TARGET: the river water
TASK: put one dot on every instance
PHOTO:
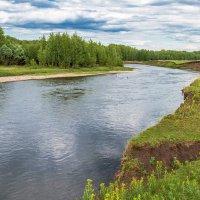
(56, 133)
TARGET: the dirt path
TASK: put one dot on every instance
(69, 75)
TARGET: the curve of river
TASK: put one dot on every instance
(56, 133)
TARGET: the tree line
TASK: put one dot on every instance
(63, 50)
(132, 54)
(58, 50)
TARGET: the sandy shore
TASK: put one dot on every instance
(69, 75)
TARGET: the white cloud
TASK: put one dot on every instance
(164, 24)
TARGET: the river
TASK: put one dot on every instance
(56, 133)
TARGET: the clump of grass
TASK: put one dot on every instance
(180, 184)
(152, 161)
(89, 191)
(131, 164)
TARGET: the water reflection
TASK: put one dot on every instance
(62, 94)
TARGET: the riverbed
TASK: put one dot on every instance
(56, 133)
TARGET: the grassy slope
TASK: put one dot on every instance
(22, 70)
(178, 62)
(175, 64)
(181, 184)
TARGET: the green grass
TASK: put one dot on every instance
(181, 184)
(174, 64)
(23, 70)
(182, 126)
(178, 61)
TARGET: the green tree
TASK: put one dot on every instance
(19, 56)
(31, 49)
(66, 50)
(76, 51)
(101, 55)
(42, 55)
(2, 37)
(5, 54)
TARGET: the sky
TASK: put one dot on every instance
(144, 24)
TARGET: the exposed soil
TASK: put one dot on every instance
(165, 152)
(193, 65)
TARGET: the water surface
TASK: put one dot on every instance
(56, 133)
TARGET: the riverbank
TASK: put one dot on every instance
(15, 73)
(176, 135)
(174, 64)
(163, 161)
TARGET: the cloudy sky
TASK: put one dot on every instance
(150, 24)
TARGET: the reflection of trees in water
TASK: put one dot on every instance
(55, 82)
(64, 89)
(66, 94)
(5, 90)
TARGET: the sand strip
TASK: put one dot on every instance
(69, 75)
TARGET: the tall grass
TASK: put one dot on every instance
(180, 184)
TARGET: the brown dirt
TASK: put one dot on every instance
(193, 65)
(165, 152)
(133, 62)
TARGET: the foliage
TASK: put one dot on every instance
(10, 51)
(63, 50)
(58, 50)
(89, 191)
(133, 54)
(2, 37)
(182, 183)
(5, 54)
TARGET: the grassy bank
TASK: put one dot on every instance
(174, 64)
(23, 70)
(163, 161)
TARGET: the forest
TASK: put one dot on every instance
(63, 50)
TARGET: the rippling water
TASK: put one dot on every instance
(56, 133)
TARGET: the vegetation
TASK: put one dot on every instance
(181, 126)
(59, 50)
(133, 54)
(179, 62)
(24, 70)
(63, 50)
(174, 64)
(182, 183)
(150, 167)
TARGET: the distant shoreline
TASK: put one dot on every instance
(41, 77)
(174, 64)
